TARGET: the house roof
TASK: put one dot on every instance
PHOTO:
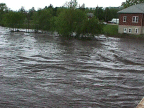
(139, 8)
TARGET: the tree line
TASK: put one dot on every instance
(64, 20)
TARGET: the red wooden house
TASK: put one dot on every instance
(131, 19)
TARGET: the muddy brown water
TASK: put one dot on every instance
(43, 71)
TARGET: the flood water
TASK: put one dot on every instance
(44, 71)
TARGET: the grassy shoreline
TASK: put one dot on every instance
(112, 31)
(108, 31)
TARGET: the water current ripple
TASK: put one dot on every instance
(39, 70)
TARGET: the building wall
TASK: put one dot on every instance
(133, 29)
(129, 19)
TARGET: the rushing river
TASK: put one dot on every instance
(44, 71)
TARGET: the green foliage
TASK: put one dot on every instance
(22, 10)
(131, 2)
(77, 21)
(3, 10)
(90, 27)
(31, 13)
(58, 10)
(68, 21)
(110, 13)
(99, 13)
(71, 4)
(65, 20)
(13, 19)
(52, 24)
(93, 26)
(89, 10)
(43, 18)
(106, 14)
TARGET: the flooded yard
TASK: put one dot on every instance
(40, 70)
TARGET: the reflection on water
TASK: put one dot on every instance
(38, 70)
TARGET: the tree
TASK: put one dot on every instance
(68, 21)
(107, 14)
(3, 7)
(89, 10)
(76, 20)
(31, 12)
(131, 2)
(22, 10)
(55, 11)
(99, 13)
(13, 19)
(110, 13)
(71, 4)
(43, 18)
(59, 10)
(90, 27)
(50, 6)
(3, 10)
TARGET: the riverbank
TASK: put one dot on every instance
(108, 31)
(112, 31)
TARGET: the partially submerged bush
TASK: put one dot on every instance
(76, 21)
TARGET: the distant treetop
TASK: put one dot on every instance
(129, 3)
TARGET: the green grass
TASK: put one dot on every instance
(110, 29)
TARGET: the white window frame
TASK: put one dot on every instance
(125, 30)
(129, 30)
(124, 18)
(135, 19)
(136, 30)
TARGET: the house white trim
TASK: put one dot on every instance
(129, 30)
(125, 30)
(135, 19)
(136, 30)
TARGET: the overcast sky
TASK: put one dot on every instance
(28, 4)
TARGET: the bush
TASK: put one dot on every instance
(68, 21)
(75, 20)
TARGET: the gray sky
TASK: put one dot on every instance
(28, 4)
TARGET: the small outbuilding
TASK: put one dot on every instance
(90, 15)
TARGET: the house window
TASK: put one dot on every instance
(124, 18)
(136, 30)
(135, 19)
(129, 30)
(125, 30)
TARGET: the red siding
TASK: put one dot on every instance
(143, 20)
(129, 19)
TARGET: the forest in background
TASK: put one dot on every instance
(65, 20)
